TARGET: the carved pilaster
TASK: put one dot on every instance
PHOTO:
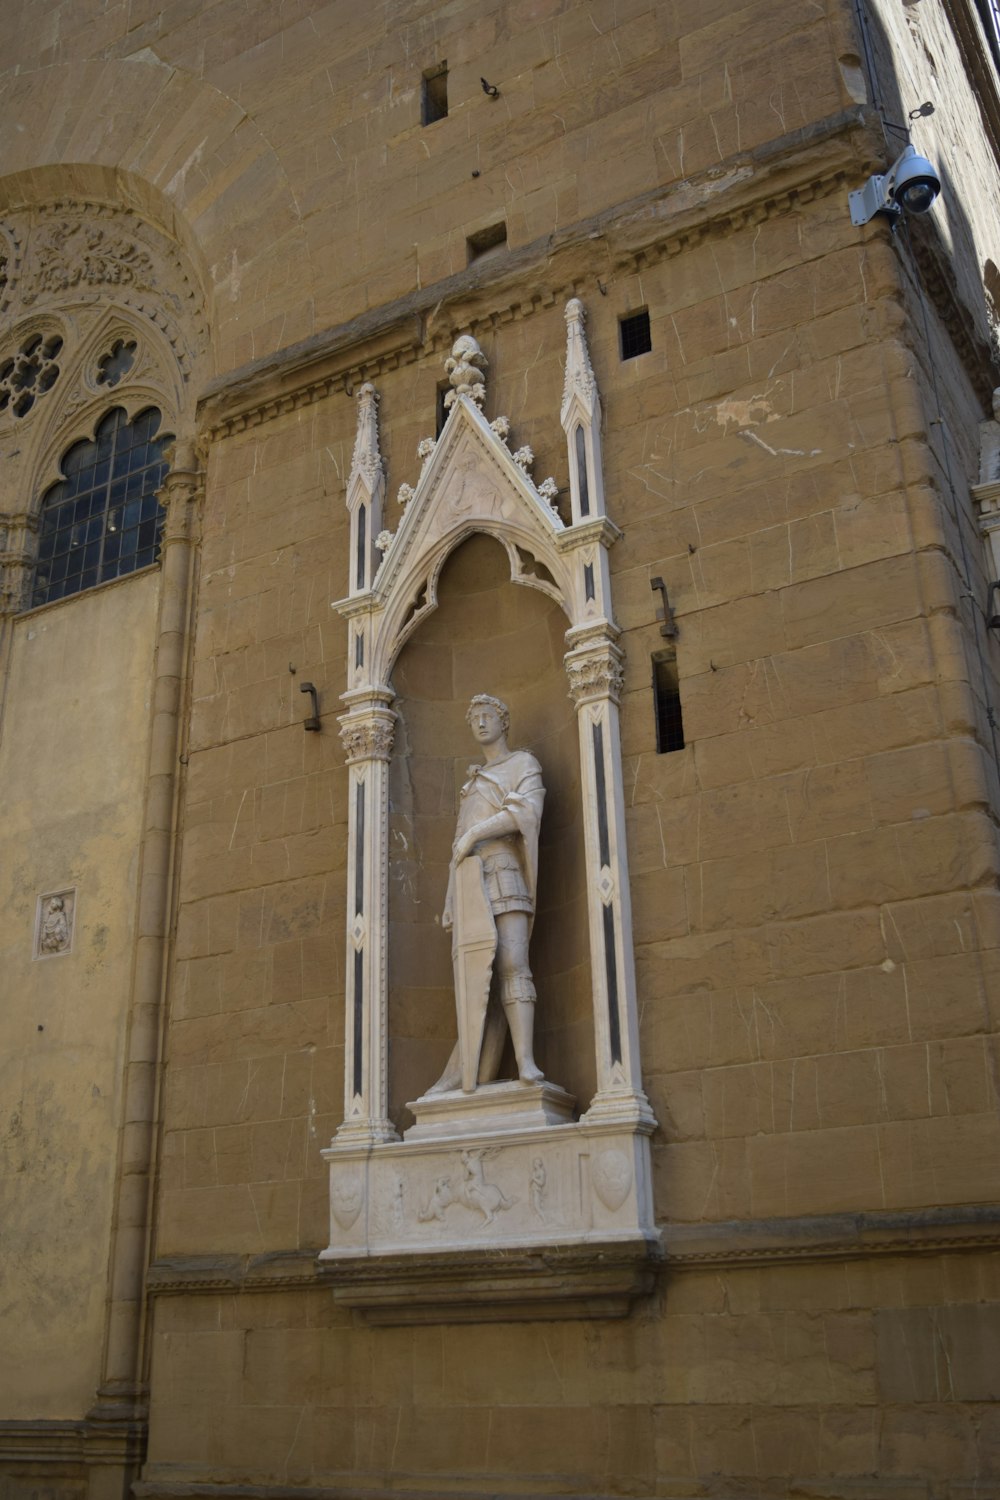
(365, 493)
(367, 732)
(595, 670)
(581, 420)
(18, 549)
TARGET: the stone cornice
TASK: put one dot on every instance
(832, 1237)
(745, 189)
(938, 281)
(42, 1441)
(229, 1273)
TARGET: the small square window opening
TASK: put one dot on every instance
(486, 241)
(434, 94)
(634, 335)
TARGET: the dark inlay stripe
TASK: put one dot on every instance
(359, 852)
(588, 580)
(362, 542)
(611, 966)
(602, 796)
(359, 650)
(359, 970)
(581, 469)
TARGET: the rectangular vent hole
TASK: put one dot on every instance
(487, 241)
(434, 94)
(667, 703)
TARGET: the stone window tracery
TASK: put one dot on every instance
(29, 373)
(118, 361)
(102, 519)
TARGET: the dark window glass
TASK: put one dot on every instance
(667, 705)
(635, 335)
(102, 519)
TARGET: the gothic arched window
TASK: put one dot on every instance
(102, 518)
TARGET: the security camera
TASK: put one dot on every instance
(910, 186)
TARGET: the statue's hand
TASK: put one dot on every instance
(463, 847)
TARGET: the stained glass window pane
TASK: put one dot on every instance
(102, 519)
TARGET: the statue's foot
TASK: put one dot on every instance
(446, 1084)
(532, 1073)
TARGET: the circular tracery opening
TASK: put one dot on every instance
(120, 358)
(29, 374)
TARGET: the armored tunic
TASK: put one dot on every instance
(512, 784)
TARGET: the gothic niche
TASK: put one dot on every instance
(449, 1156)
(487, 634)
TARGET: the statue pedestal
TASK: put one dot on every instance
(460, 1220)
(489, 1109)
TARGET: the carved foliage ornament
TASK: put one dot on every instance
(368, 738)
(67, 255)
(599, 674)
(87, 252)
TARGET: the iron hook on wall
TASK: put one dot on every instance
(668, 628)
(313, 721)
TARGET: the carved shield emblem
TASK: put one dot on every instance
(346, 1197)
(612, 1178)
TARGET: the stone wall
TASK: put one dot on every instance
(814, 876)
(74, 750)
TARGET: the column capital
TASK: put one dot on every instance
(181, 492)
(595, 670)
(368, 734)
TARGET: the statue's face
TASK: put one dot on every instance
(485, 724)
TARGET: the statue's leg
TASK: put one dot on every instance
(494, 1037)
(517, 990)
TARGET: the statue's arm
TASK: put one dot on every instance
(493, 827)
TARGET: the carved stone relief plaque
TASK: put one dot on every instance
(54, 920)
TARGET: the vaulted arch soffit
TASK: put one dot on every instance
(102, 308)
(181, 156)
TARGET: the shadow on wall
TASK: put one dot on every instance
(487, 635)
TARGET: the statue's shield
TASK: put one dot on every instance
(475, 944)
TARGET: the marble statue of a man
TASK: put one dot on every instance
(490, 903)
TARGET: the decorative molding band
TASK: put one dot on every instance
(688, 1247)
(41, 1441)
(938, 278)
(280, 1269)
(748, 188)
(832, 1237)
(355, 1487)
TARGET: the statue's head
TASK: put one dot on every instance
(500, 708)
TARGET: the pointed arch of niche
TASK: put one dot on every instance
(104, 312)
(571, 1182)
